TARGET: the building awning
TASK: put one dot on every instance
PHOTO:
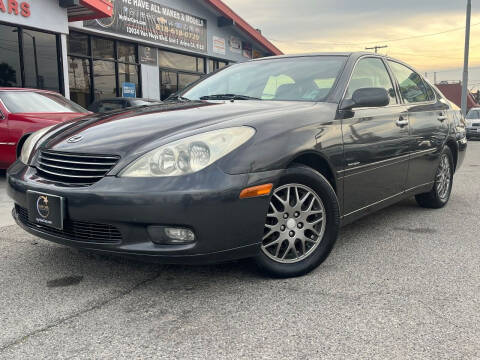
(87, 9)
(228, 13)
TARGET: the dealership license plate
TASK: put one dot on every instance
(45, 209)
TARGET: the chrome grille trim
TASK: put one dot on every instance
(71, 168)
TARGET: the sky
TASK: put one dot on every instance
(298, 26)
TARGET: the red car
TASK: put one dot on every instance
(24, 111)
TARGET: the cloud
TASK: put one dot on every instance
(349, 25)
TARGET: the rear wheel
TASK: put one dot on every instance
(440, 194)
(301, 224)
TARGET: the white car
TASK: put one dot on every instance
(473, 123)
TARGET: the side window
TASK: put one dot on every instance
(371, 72)
(430, 92)
(412, 87)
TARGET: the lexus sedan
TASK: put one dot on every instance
(24, 111)
(264, 159)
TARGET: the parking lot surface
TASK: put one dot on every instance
(403, 282)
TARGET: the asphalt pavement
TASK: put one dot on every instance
(401, 283)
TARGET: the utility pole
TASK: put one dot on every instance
(435, 78)
(376, 47)
(465, 61)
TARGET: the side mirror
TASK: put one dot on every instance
(366, 97)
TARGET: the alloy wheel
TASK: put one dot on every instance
(295, 224)
(443, 178)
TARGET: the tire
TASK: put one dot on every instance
(440, 194)
(305, 237)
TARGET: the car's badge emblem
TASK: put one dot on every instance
(75, 139)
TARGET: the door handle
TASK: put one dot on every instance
(401, 122)
(442, 118)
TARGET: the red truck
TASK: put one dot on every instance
(24, 111)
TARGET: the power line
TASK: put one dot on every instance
(378, 41)
(421, 36)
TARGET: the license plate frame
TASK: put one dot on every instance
(46, 209)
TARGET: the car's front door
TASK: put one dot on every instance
(427, 116)
(7, 145)
(376, 142)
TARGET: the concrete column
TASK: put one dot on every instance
(63, 40)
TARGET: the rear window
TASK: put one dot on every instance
(38, 102)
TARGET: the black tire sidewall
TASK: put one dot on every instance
(304, 175)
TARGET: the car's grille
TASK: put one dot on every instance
(74, 168)
(478, 124)
(76, 230)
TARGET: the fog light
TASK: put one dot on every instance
(179, 235)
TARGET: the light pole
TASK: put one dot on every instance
(465, 60)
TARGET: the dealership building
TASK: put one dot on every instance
(96, 49)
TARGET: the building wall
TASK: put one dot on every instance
(44, 15)
(197, 8)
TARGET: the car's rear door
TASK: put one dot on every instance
(428, 119)
(376, 142)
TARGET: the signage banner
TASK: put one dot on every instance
(148, 20)
(129, 90)
(36, 14)
(219, 45)
(148, 55)
(235, 45)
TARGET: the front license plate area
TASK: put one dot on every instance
(45, 209)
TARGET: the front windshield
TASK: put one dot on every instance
(473, 114)
(38, 102)
(307, 78)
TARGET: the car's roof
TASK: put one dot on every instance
(348, 54)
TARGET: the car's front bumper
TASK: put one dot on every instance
(225, 226)
(473, 132)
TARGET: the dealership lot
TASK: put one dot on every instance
(402, 282)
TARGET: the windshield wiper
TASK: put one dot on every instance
(177, 97)
(228, 97)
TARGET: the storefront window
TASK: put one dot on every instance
(109, 70)
(167, 59)
(10, 73)
(186, 79)
(40, 60)
(214, 65)
(78, 44)
(79, 79)
(104, 79)
(128, 73)
(126, 52)
(168, 83)
(103, 48)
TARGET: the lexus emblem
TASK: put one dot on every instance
(75, 139)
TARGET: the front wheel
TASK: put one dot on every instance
(440, 194)
(301, 224)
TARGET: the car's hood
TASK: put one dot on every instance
(42, 117)
(118, 133)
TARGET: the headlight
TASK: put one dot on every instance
(189, 155)
(30, 143)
